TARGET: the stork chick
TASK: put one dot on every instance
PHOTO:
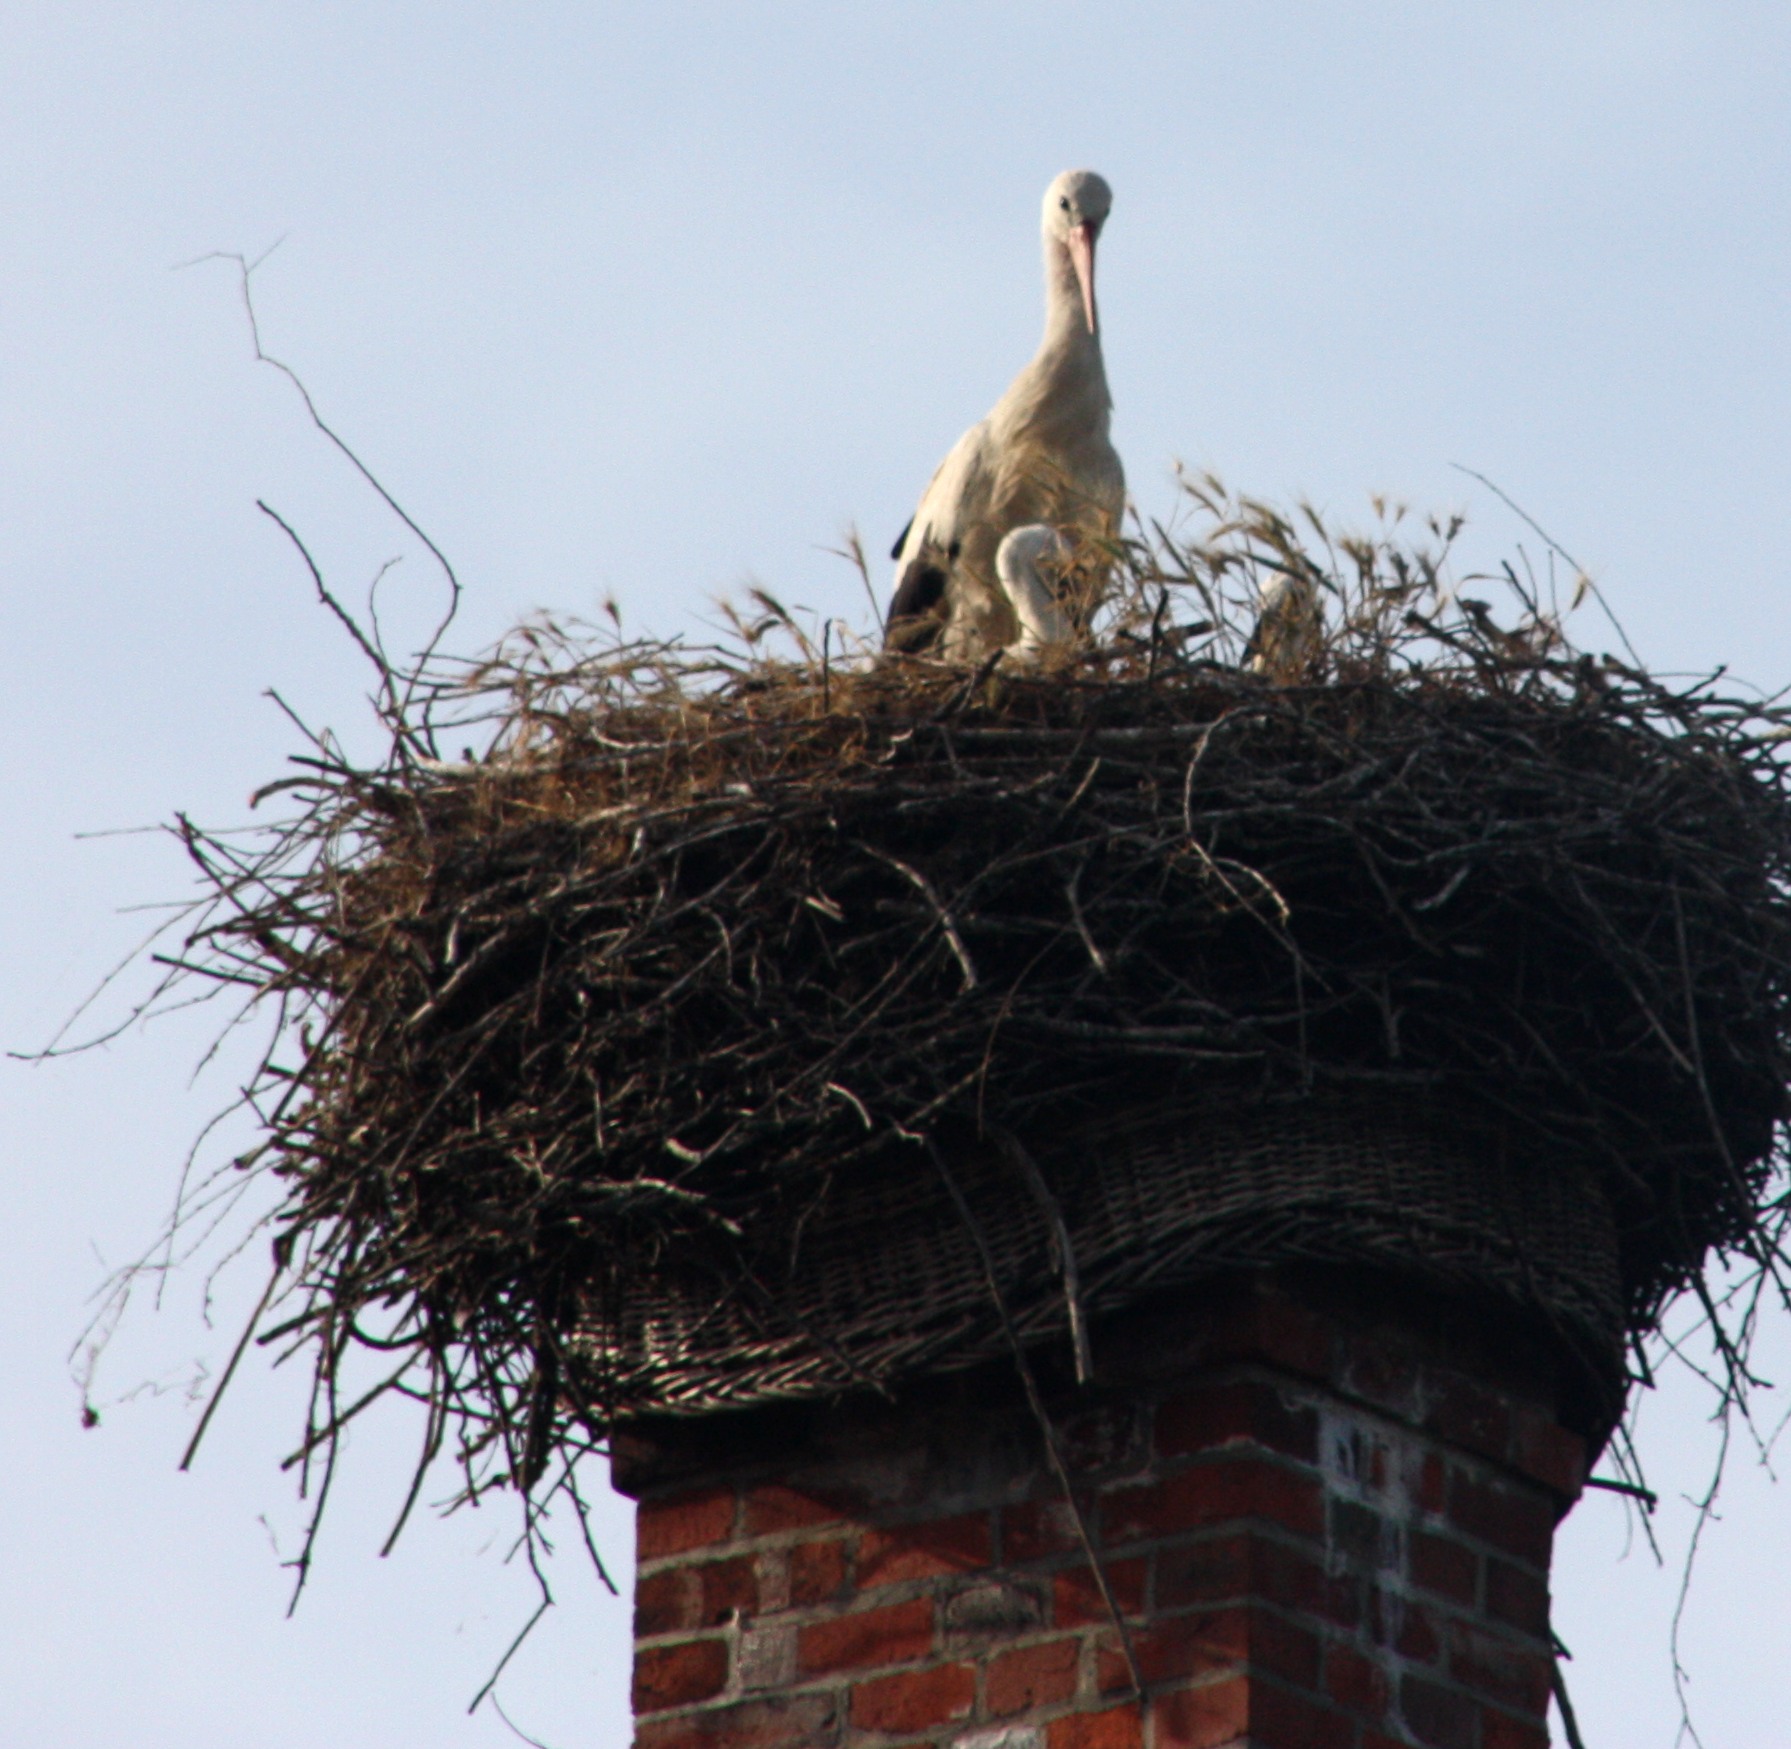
(1290, 630)
(1043, 623)
(1043, 455)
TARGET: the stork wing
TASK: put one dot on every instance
(926, 555)
(956, 496)
(917, 612)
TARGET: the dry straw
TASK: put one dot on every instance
(693, 941)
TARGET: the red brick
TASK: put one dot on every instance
(683, 1522)
(1034, 1529)
(1468, 1416)
(1514, 1522)
(817, 1571)
(1208, 1571)
(899, 1634)
(754, 1724)
(1499, 1731)
(1117, 1728)
(1213, 1493)
(1281, 1720)
(1381, 1374)
(1283, 1649)
(1077, 1601)
(992, 1609)
(1280, 1330)
(1242, 1411)
(1433, 1482)
(772, 1507)
(1437, 1716)
(1103, 1438)
(1215, 1714)
(1518, 1597)
(1225, 1582)
(729, 1588)
(667, 1602)
(924, 1551)
(1250, 1565)
(668, 1676)
(1183, 1646)
(1547, 1451)
(1377, 1471)
(1287, 1577)
(1233, 1640)
(915, 1700)
(1418, 1638)
(1514, 1673)
(1442, 1565)
(1034, 1676)
(1356, 1682)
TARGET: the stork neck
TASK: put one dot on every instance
(1066, 384)
(1066, 328)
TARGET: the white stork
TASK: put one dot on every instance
(1041, 456)
(1289, 635)
(1043, 623)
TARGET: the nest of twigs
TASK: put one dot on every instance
(693, 942)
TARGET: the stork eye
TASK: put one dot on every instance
(1063, 200)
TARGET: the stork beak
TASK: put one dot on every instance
(1082, 246)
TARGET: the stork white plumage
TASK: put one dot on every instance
(1043, 455)
(1043, 623)
(1290, 630)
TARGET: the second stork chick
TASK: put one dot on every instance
(1043, 623)
(1289, 636)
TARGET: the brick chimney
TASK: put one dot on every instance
(1323, 1507)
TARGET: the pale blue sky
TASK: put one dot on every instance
(656, 299)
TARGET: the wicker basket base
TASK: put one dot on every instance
(889, 1282)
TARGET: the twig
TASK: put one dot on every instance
(1053, 1450)
(946, 922)
(1554, 545)
(246, 269)
(1705, 1508)
(1557, 1680)
(236, 1354)
(1634, 1490)
(1062, 1245)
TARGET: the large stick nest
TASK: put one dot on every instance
(694, 942)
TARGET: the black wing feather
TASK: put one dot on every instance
(915, 616)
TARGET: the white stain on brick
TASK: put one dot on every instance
(1370, 1459)
(772, 1571)
(1008, 1737)
(766, 1658)
(1372, 1466)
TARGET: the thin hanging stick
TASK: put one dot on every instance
(1053, 1450)
(236, 1354)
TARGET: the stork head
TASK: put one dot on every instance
(1043, 624)
(1076, 207)
(1028, 547)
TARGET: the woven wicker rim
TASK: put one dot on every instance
(1152, 1200)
